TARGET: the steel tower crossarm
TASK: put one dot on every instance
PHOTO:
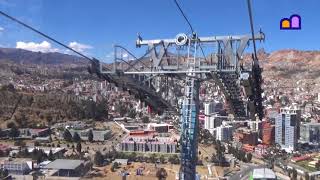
(209, 39)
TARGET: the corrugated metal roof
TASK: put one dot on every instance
(64, 164)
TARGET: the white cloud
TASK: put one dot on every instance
(79, 47)
(1, 29)
(125, 55)
(44, 46)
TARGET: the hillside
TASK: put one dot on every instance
(31, 109)
(28, 57)
(293, 64)
(56, 72)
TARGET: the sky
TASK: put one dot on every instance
(94, 26)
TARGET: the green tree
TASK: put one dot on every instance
(14, 132)
(50, 156)
(38, 155)
(145, 119)
(318, 165)
(132, 156)
(174, 159)
(36, 143)
(3, 173)
(101, 110)
(20, 143)
(132, 113)
(114, 166)
(153, 158)
(67, 135)
(294, 174)
(76, 137)
(98, 158)
(122, 109)
(249, 157)
(162, 158)
(79, 147)
(161, 174)
(90, 136)
(242, 155)
(306, 176)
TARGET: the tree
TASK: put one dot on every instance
(36, 143)
(162, 158)
(38, 155)
(98, 158)
(162, 174)
(249, 157)
(79, 147)
(174, 159)
(294, 174)
(10, 124)
(14, 132)
(114, 166)
(318, 165)
(3, 173)
(67, 135)
(145, 119)
(51, 157)
(90, 136)
(122, 109)
(76, 137)
(132, 156)
(242, 155)
(101, 110)
(132, 113)
(306, 176)
(20, 143)
(153, 158)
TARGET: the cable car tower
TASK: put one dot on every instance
(183, 58)
(194, 69)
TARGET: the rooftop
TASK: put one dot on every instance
(263, 173)
(64, 164)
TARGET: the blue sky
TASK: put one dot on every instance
(93, 26)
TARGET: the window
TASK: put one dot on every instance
(283, 128)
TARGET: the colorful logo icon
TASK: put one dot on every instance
(292, 23)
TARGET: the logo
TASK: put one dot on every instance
(292, 23)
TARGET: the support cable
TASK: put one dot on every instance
(252, 30)
(184, 16)
(46, 36)
(191, 28)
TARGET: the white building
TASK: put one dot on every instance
(209, 108)
(211, 120)
(287, 130)
(224, 133)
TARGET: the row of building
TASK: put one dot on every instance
(286, 130)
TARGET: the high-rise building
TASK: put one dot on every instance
(310, 133)
(224, 133)
(208, 121)
(209, 108)
(287, 130)
(211, 120)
